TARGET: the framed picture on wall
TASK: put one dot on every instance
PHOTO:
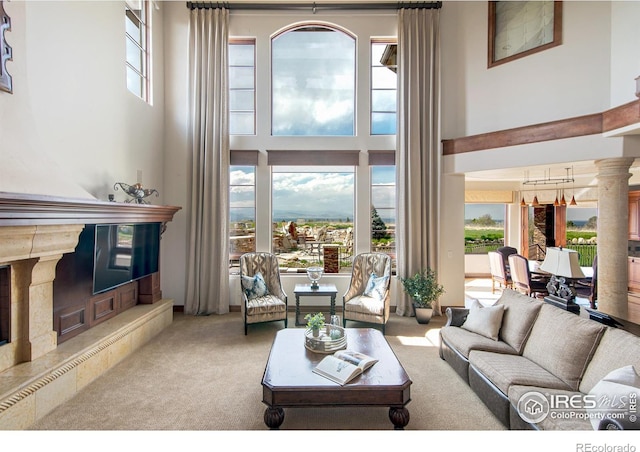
(518, 29)
(5, 51)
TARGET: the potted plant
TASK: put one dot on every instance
(423, 288)
(315, 322)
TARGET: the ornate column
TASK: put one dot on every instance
(32, 252)
(42, 338)
(613, 235)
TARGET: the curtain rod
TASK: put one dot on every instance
(313, 7)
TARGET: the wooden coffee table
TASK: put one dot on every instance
(289, 381)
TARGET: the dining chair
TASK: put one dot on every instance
(368, 298)
(522, 280)
(498, 271)
(505, 252)
(263, 298)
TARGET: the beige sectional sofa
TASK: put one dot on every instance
(539, 367)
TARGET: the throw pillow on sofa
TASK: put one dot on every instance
(254, 286)
(616, 396)
(520, 314)
(485, 321)
(376, 287)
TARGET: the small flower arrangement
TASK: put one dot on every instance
(315, 321)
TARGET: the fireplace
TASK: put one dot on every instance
(35, 233)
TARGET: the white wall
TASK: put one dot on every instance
(451, 246)
(625, 58)
(71, 128)
(176, 155)
(569, 80)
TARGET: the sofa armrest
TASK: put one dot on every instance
(456, 316)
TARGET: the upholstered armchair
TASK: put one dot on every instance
(263, 298)
(368, 298)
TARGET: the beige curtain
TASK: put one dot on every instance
(418, 155)
(208, 255)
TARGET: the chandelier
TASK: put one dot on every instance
(559, 183)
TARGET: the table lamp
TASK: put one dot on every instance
(564, 267)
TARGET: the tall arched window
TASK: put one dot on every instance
(322, 149)
(313, 82)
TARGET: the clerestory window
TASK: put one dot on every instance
(138, 49)
(242, 87)
(384, 87)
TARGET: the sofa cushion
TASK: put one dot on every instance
(464, 341)
(617, 348)
(485, 321)
(563, 343)
(264, 306)
(365, 305)
(519, 316)
(507, 370)
(576, 418)
(614, 395)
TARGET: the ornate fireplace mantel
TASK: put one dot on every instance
(35, 231)
(20, 210)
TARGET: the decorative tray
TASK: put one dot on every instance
(331, 339)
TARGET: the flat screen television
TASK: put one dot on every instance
(124, 253)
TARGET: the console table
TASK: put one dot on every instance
(323, 290)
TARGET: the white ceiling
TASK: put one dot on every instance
(584, 173)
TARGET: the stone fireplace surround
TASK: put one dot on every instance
(35, 373)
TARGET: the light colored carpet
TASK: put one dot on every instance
(204, 374)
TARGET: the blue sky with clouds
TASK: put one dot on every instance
(313, 84)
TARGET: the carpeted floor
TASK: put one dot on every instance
(204, 374)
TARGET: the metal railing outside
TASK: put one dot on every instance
(482, 247)
(586, 252)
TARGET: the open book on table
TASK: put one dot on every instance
(344, 365)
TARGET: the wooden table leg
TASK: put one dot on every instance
(274, 417)
(399, 417)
